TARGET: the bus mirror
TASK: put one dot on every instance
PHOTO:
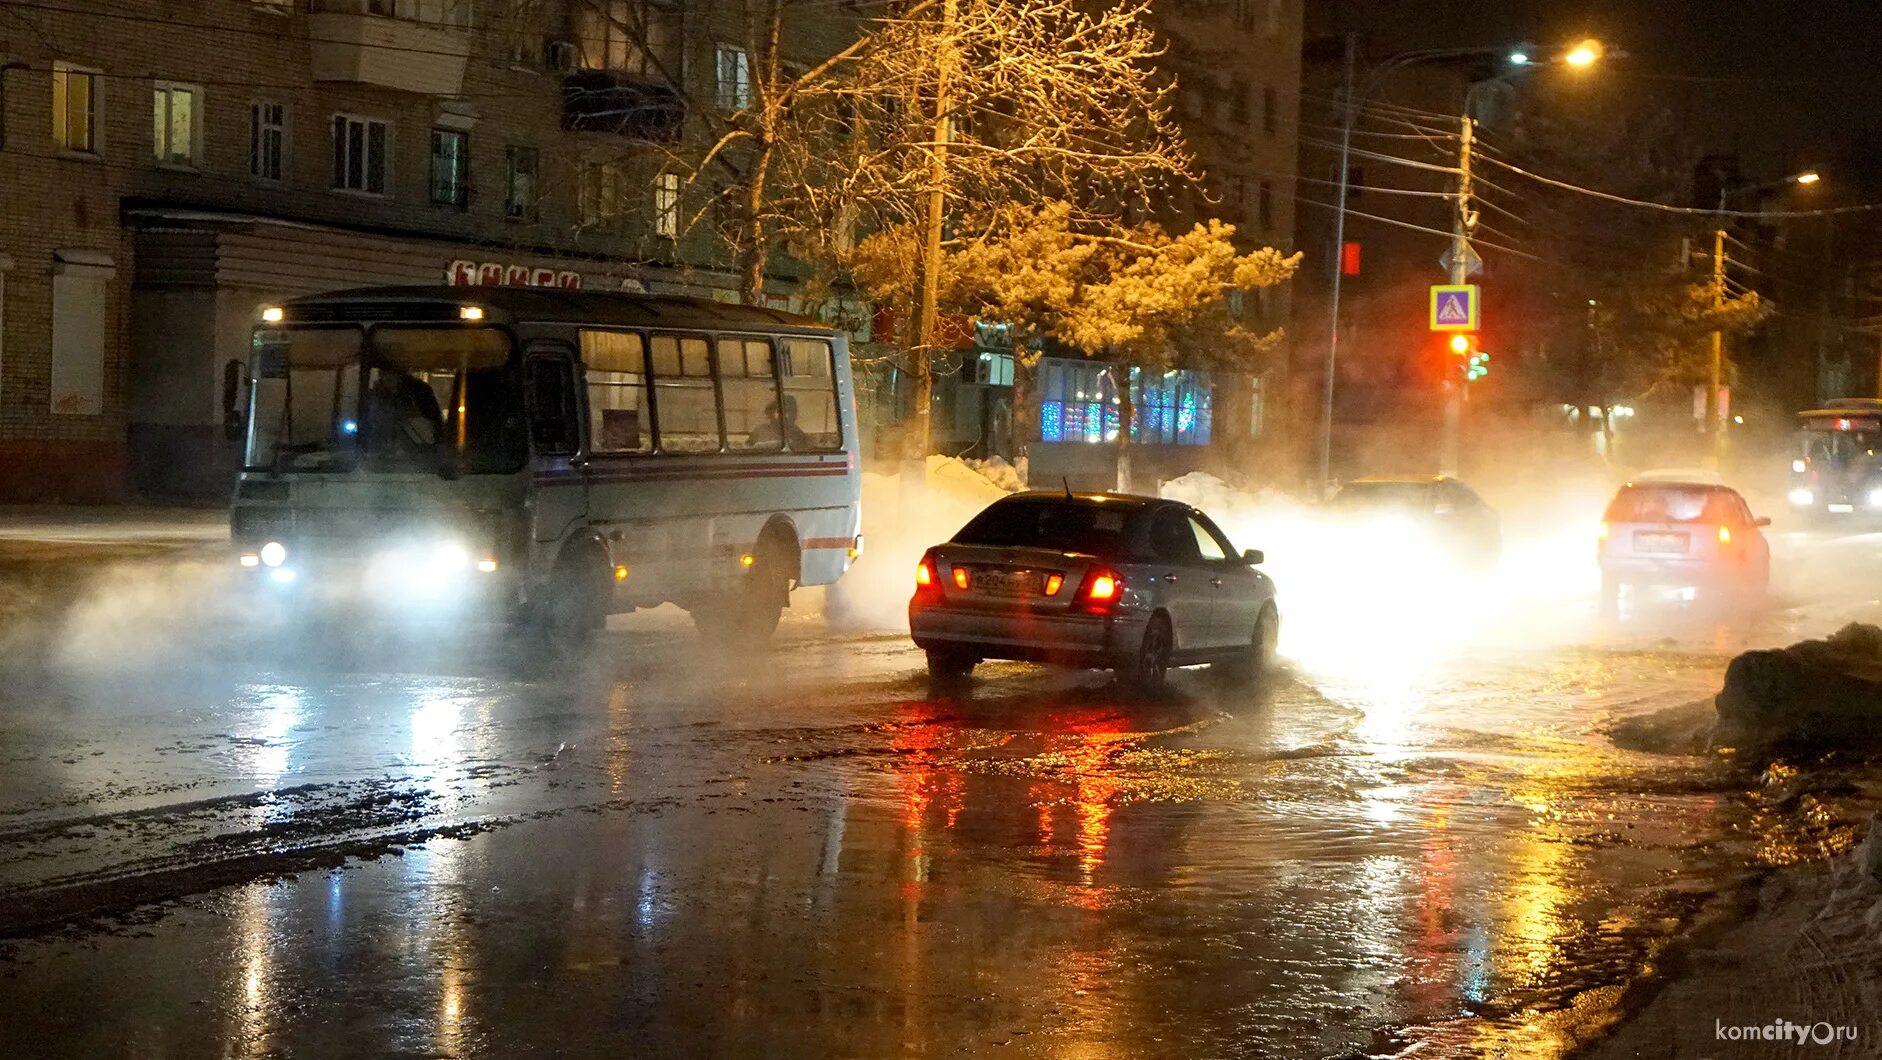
(233, 425)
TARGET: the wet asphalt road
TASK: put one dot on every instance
(671, 851)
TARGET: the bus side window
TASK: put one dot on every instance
(810, 385)
(615, 364)
(683, 394)
(748, 383)
(551, 390)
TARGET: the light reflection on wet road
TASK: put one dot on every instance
(811, 853)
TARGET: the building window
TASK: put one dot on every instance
(1274, 18)
(1270, 107)
(176, 125)
(359, 154)
(734, 78)
(450, 168)
(666, 205)
(1264, 207)
(629, 36)
(1078, 402)
(455, 13)
(80, 279)
(75, 108)
(602, 192)
(1257, 410)
(1245, 13)
(1172, 408)
(519, 185)
(267, 139)
(1239, 92)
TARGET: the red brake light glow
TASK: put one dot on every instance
(960, 578)
(1725, 535)
(924, 575)
(1102, 586)
(1053, 582)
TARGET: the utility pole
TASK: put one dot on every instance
(1715, 433)
(928, 266)
(1450, 446)
(1349, 105)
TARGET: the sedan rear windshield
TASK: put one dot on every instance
(1059, 525)
(1674, 504)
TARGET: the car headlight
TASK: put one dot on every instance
(274, 553)
(1875, 497)
(450, 557)
(1803, 498)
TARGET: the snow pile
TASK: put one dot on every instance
(901, 520)
(1818, 693)
(1010, 477)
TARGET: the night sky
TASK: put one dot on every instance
(1783, 85)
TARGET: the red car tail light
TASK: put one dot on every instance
(960, 578)
(927, 582)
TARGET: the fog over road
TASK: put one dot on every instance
(406, 846)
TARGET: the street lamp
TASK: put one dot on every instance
(1584, 54)
(1715, 372)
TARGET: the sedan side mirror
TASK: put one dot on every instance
(1254, 557)
(1762, 520)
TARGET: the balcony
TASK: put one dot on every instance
(402, 45)
(622, 104)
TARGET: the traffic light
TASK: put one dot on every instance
(1471, 361)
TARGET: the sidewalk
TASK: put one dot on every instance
(44, 532)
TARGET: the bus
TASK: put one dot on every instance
(545, 456)
(1834, 467)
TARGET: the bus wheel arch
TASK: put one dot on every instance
(778, 546)
(572, 600)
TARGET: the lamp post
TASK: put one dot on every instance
(1715, 373)
(1584, 54)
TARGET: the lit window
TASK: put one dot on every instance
(359, 154)
(519, 190)
(666, 205)
(734, 78)
(176, 126)
(450, 168)
(75, 108)
(1172, 408)
(267, 139)
(629, 36)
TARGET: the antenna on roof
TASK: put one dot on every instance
(1068, 486)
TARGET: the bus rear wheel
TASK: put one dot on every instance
(748, 614)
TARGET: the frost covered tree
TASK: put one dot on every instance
(1136, 293)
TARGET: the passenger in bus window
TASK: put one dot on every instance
(779, 426)
(403, 413)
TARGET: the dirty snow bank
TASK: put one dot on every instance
(1797, 954)
(900, 521)
(1816, 693)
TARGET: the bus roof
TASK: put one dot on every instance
(547, 304)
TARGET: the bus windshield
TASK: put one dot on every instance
(395, 399)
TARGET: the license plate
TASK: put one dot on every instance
(1842, 509)
(1005, 582)
(1650, 542)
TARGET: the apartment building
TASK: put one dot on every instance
(167, 167)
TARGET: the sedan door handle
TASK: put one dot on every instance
(1217, 582)
(1169, 577)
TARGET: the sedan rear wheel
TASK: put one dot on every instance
(946, 664)
(1151, 664)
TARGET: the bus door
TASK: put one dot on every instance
(555, 435)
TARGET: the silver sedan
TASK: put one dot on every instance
(1093, 580)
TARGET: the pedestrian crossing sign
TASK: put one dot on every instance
(1455, 307)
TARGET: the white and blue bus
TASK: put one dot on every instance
(546, 455)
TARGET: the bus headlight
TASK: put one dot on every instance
(1803, 498)
(450, 558)
(274, 553)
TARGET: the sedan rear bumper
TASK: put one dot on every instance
(1072, 639)
(1678, 571)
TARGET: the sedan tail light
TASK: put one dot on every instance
(1101, 589)
(927, 582)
